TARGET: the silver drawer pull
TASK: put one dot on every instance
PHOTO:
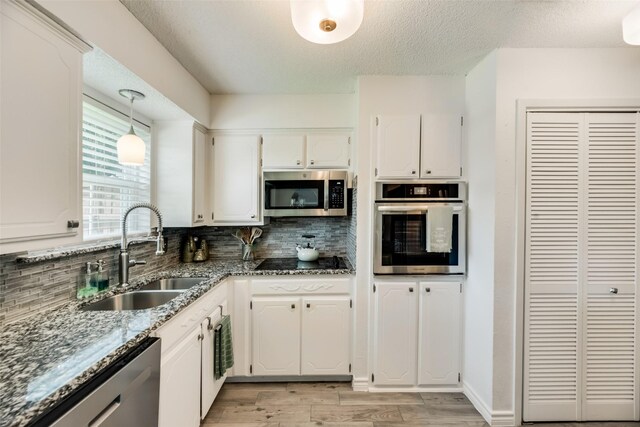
(613, 290)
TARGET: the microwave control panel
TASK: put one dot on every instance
(336, 194)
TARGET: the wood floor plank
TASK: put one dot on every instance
(215, 424)
(433, 423)
(326, 386)
(365, 398)
(270, 414)
(297, 397)
(352, 413)
(328, 424)
(441, 412)
(236, 396)
(446, 398)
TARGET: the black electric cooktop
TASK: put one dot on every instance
(328, 263)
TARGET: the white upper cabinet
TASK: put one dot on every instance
(328, 151)
(440, 146)
(235, 174)
(283, 151)
(398, 146)
(414, 146)
(41, 116)
(181, 177)
(313, 151)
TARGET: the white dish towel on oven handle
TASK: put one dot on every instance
(439, 229)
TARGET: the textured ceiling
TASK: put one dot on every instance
(250, 46)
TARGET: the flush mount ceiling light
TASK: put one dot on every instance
(130, 146)
(631, 27)
(326, 21)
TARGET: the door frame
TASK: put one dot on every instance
(524, 106)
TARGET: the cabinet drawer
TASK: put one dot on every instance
(301, 286)
(183, 323)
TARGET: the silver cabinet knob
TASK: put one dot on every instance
(427, 290)
(73, 223)
(253, 216)
(312, 162)
(298, 162)
(427, 172)
(293, 306)
(308, 305)
(410, 289)
(413, 172)
(613, 290)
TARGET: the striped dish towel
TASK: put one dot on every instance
(222, 348)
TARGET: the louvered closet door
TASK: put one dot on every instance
(551, 378)
(610, 337)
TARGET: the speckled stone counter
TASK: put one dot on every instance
(45, 358)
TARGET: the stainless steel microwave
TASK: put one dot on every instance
(307, 193)
(401, 228)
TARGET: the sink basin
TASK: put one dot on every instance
(133, 301)
(173, 284)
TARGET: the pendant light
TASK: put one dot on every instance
(631, 27)
(131, 148)
(327, 21)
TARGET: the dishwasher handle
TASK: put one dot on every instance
(105, 414)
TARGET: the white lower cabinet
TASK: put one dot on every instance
(276, 335)
(180, 383)
(417, 334)
(187, 385)
(395, 334)
(299, 326)
(326, 336)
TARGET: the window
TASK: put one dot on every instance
(109, 188)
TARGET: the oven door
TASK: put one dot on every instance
(401, 240)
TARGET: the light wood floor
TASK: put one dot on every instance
(334, 404)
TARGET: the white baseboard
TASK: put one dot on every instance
(477, 402)
(503, 418)
(360, 384)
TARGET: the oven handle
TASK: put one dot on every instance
(420, 208)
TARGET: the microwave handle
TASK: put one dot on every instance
(406, 208)
(326, 194)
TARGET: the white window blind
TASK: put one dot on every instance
(109, 188)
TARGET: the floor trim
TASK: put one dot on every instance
(494, 418)
(360, 384)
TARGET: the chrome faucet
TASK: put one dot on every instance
(125, 262)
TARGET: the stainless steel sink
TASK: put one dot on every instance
(133, 301)
(173, 284)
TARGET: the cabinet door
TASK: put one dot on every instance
(199, 176)
(395, 348)
(210, 386)
(326, 333)
(439, 333)
(180, 384)
(440, 146)
(283, 151)
(398, 146)
(328, 151)
(276, 336)
(236, 180)
(41, 116)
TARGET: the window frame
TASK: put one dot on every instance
(120, 110)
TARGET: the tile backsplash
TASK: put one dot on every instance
(29, 288)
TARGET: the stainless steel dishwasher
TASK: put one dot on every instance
(125, 394)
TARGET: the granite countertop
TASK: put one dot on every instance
(46, 357)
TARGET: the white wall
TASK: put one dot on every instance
(480, 132)
(282, 111)
(386, 95)
(109, 25)
(532, 74)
